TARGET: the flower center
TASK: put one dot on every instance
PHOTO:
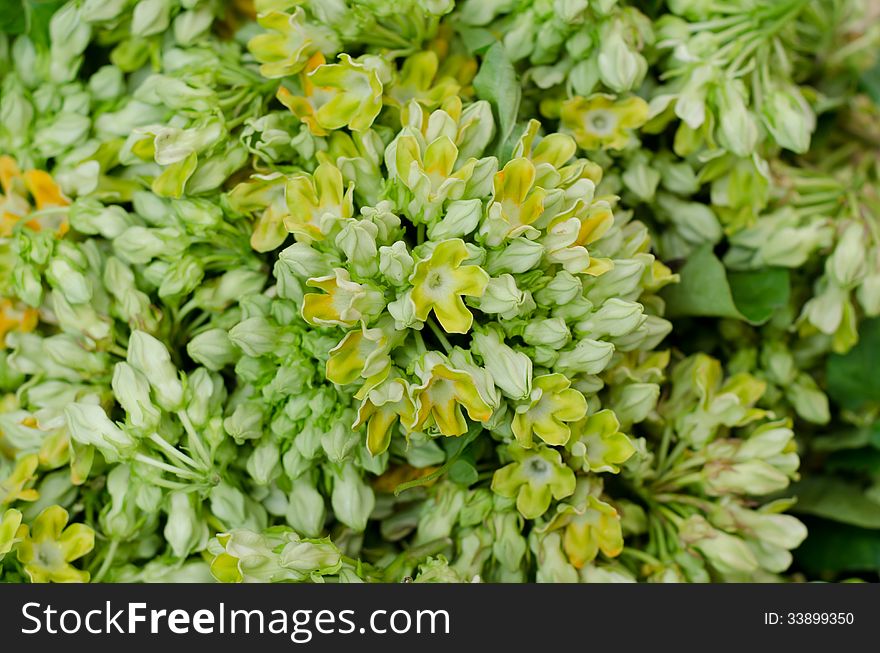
(538, 468)
(602, 122)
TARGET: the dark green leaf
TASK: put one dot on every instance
(854, 377)
(854, 438)
(835, 547)
(12, 18)
(497, 83)
(463, 473)
(871, 82)
(707, 290)
(758, 293)
(865, 460)
(837, 500)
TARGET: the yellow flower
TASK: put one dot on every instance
(440, 398)
(380, 411)
(347, 94)
(344, 303)
(361, 353)
(15, 205)
(315, 202)
(287, 46)
(264, 194)
(48, 548)
(418, 81)
(18, 485)
(600, 122)
(552, 403)
(428, 170)
(16, 317)
(598, 445)
(10, 529)
(592, 528)
(517, 201)
(440, 281)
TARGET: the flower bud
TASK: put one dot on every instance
(150, 356)
(306, 511)
(255, 336)
(847, 262)
(620, 68)
(789, 118)
(213, 349)
(132, 392)
(186, 529)
(396, 263)
(737, 129)
(352, 499)
(89, 424)
(150, 17)
(357, 240)
(462, 217)
(615, 317)
(262, 464)
(551, 332)
(511, 370)
(520, 255)
(246, 422)
(726, 553)
(586, 357)
(502, 297)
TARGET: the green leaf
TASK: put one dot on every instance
(707, 290)
(852, 377)
(835, 499)
(871, 82)
(834, 547)
(463, 472)
(865, 460)
(476, 39)
(12, 17)
(497, 83)
(758, 293)
(848, 439)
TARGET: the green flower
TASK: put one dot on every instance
(551, 405)
(347, 94)
(18, 485)
(598, 445)
(589, 525)
(10, 529)
(48, 548)
(601, 122)
(289, 43)
(439, 282)
(534, 478)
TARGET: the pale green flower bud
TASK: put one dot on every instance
(510, 370)
(553, 564)
(246, 422)
(726, 553)
(321, 557)
(255, 336)
(462, 217)
(502, 297)
(641, 179)
(206, 395)
(213, 349)
(633, 402)
(620, 68)
(190, 25)
(737, 129)
(97, 11)
(81, 318)
(551, 332)
(150, 356)
(520, 255)
(69, 351)
(119, 518)
(352, 498)
(440, 513)
(396, 263)
(357, 240)
(28, 285)
(89, 424)
(847, 262)
(182, 277)
(677, 176)
(403, 310)
(615, 317)
(64, 276)
(218, 293)
(65, 131)
(132, 392)
(263, 463)
(186, 530)
(340, 440)
(586, 357)
(139, 245)
(231, 506)
(868, 294)
(509, 546)
(306, 262)
(306, 511)
(107, 83)
(696, 222)
(561, 290)
(150, 17)
(789, 118)
(621, 281)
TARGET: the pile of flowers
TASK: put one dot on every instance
(435, 291)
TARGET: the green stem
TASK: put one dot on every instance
(108, 560)
(438, 333)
